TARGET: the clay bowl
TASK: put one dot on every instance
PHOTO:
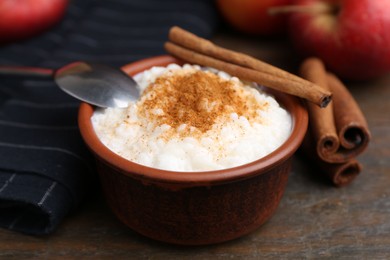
(194, 208)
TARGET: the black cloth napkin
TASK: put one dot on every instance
(45, 169)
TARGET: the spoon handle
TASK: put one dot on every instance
(25, 71)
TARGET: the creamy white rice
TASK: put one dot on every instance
(143, 133)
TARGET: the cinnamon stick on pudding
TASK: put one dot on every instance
(338, 133)
(190, 41)
(194, 49)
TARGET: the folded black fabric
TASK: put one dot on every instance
(45, 169)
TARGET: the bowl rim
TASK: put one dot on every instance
(294, 105)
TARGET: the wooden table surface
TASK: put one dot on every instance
(314, 220)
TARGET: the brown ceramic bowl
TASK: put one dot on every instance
(194, 208)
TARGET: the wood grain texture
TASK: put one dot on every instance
(314, 220)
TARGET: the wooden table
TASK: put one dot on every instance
(314, 219)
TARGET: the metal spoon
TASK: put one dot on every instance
(96, 84)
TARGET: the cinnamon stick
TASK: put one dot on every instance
(340, 174)
(194, 49)
(190, 41)
(321, 120)
(338, 133)
(351, 125)
(340, 130)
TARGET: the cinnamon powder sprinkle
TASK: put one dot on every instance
(197, 99)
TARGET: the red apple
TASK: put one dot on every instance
(352, 37)
(21, 19)
(252, 17)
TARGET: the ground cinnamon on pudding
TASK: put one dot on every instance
(190, 118)
(195, 99)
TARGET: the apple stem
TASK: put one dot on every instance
(317, 8)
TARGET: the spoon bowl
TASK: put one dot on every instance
(97, 84)
(93, 83)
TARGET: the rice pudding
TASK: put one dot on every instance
(190, 118)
